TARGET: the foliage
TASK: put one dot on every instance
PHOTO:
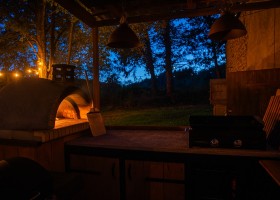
(190, 88)
(15, 51)
(19, 37)
(202, 52)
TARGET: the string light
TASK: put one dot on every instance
(16, 74)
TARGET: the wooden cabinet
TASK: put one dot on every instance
(143, 179)
(212, 184)
(223, 178)
(102, 177)
(100, 174)
(115, 168)
(136, 187)
(165, 180)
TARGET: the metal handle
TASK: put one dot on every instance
(113, 170)
(129, 172)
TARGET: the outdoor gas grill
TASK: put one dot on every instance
(244, 132)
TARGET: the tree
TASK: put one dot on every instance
(167, 51)
(38, 30)
(201, 52)
(168, 54)
(16, 50)
(40, 11)
(127, 61)
(149, 60)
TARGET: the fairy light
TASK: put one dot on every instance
(16, 74)
(39, 63)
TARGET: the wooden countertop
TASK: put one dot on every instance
(272, 167)
(169, 141)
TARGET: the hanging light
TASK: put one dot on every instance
(123, 36)
(227, 27)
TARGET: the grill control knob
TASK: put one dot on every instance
(214, 142)
(237, 143)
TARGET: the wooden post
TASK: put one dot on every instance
(96, 84)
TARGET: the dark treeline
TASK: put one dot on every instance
(190, 88)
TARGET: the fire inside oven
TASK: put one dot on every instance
(72, 107)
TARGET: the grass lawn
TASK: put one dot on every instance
(165, 116)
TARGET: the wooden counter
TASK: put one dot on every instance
(172, 141)
(272, 167)
(172, 146)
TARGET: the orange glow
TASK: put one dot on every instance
(32, 71)
(40, 63)
(16, 74)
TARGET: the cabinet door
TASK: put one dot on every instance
(136, 187)
(155, 174)
(174, 176)
(165, 180)
(211, 184)
(101, 176)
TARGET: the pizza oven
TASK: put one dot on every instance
(36, 104)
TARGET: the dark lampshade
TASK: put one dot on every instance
(123, 37)
(227, 27)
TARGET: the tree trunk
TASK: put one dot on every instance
(215, 58)
(52, 43)
(168, 63)
(150, 64)
(41, 37)
(71, 32)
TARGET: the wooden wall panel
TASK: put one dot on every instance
(249, 91)
(2, 155)
(10, 151)
(49, 154)
(260, 51)
(277, 38)
(44, 155)
(57, 152)
(260, 48)
(28, 152)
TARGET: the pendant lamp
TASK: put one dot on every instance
(123, 36)
(227, 27)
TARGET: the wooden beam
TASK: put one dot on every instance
(96, 83)
(256, 6)
(165, 16)
(192, 13)
(78, 11)
(88, 18)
